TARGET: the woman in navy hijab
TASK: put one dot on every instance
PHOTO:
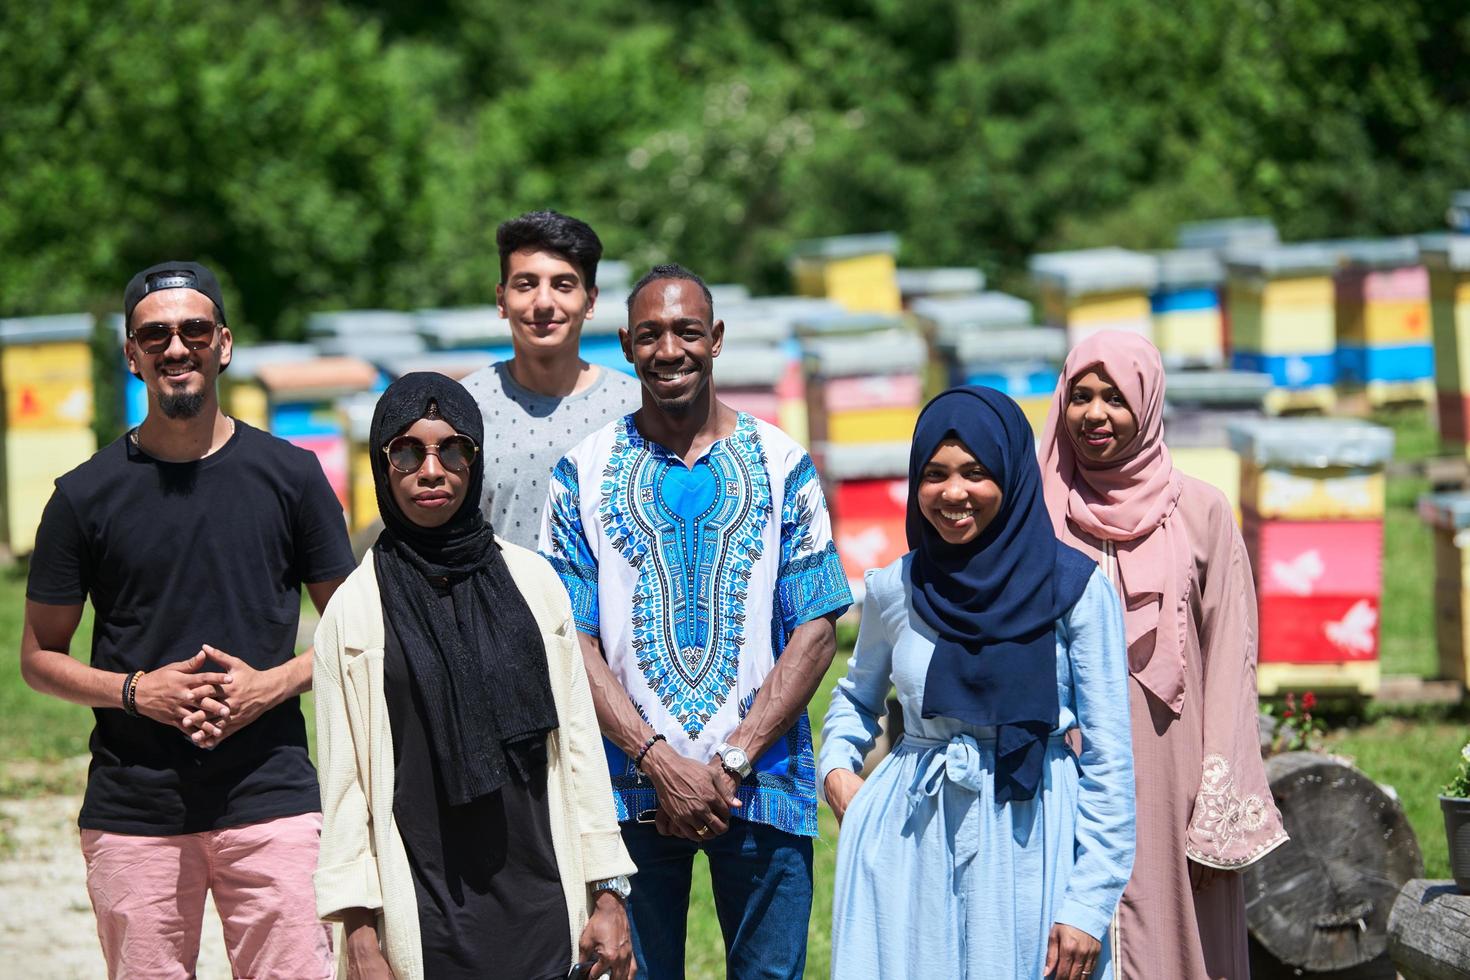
(982, 846)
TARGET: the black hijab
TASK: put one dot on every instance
(995, 601)
(482, 674)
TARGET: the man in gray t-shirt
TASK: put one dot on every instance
(542, 401)
(527, 432)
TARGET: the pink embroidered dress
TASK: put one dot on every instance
(1170, 546)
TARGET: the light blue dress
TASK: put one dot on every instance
(935, 879)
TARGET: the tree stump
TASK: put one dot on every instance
(1321, 901)
(1429, 931)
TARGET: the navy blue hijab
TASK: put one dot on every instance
(995, 601)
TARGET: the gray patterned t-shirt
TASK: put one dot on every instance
(527, 432)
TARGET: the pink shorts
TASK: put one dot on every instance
(148, 893)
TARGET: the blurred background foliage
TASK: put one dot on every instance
(326, 154)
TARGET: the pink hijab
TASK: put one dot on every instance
(1130, 502)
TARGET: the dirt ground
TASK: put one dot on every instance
(46, 924)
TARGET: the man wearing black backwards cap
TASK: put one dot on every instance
(192, 536)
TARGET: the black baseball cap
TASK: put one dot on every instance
(171, 275)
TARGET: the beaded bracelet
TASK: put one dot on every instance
(638, 762)
(130, 693)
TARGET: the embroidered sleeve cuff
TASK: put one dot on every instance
(581, 586)
(1236, 862)
(353, 885)
(1092, 921)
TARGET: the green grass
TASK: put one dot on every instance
(1407, 627)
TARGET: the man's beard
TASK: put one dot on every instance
(185, 405)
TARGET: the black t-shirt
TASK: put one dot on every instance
(174, 556)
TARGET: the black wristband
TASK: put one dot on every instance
(130, 693)
(638, 761)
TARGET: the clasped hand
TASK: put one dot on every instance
(206, 705)
(694, 799)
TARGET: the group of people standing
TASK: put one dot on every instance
(581, 649)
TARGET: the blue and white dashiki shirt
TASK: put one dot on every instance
(693, 578)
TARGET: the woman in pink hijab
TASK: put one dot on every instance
(1169, 544)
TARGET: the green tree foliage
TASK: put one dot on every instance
(332, 153)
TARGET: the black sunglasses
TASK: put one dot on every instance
(406, 453)
(154, 338)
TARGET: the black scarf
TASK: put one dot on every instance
(482, 675)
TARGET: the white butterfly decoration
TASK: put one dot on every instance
(1350, 491)
(1354, 631)
(866, 547)
(1299, 576)
(1283, 491)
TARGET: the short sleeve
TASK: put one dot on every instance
(59, 564)
(322, 549)
(564, 543)
(810, 581)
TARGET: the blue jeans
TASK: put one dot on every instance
(762, 879)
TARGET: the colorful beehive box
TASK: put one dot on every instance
(1319, 589)
(46, 379)
(1198, 409)
(1384, 344)
(1312, 469)
(1186, 309)
(867, 490)
(1448, 516)
(362, 495)
(1092, 290)
(857, 271)
(1220, 236)
(1282, 322)
(863, 388)
(1024, 363)
(748, 378)
(770, 321)
(241, 392)
(1312, 497)
(301, 408)
(916, 284)
(1447, 259)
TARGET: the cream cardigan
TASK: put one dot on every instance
(362, 863)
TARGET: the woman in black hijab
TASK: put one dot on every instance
(468, 825)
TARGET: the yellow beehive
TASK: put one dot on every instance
(857, 271)
(793, 419)
(47, 385)
(1094, 308)
(872, 425)
(362, 502)
(34, 458)
(1350, 676)
(1219, 466)
(1312, 469)
(1282, 316)
(1317, 494)
(46, 374)
(1192, 336)
(1096, 289)
(1036, 408)
(248, 402)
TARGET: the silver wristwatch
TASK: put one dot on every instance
(734, 759)
(619, 886)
